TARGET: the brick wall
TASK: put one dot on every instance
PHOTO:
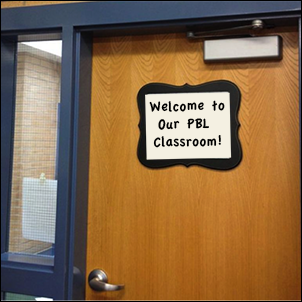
(37, 97)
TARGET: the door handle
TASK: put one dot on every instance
(98, 281)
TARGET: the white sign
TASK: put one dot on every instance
(188, 125)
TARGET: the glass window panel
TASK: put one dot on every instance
(35, 155)
(19, 297)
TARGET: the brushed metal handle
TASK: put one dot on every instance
(98, 281)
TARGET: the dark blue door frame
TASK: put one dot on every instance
(78, 23)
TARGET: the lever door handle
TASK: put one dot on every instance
(98, 281)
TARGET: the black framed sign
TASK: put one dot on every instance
(189, 125)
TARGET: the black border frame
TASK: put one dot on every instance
(214, 86)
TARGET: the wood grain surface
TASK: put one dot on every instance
(9, 4)
(194, 233)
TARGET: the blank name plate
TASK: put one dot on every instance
(243, 49)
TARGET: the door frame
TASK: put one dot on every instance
(66, 277)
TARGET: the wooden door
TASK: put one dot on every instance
(194, 233)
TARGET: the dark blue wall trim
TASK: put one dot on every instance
(78, 232)
(8, 52)
(131, 12)
(42, 280)
(65, 164)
